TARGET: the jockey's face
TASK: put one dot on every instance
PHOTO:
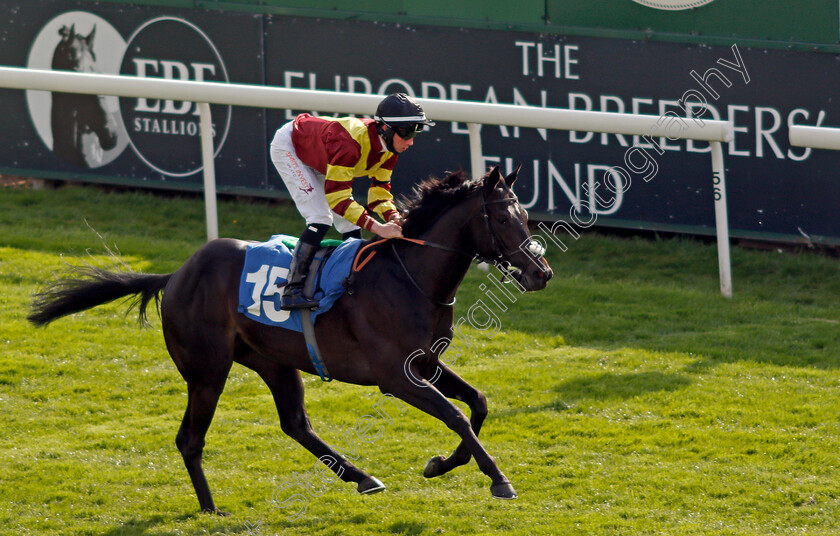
(400, 144)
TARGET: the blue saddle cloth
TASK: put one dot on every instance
(266, 271)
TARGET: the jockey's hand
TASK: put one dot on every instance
(397, 219)
(387, 230)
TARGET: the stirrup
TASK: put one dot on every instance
(295, 299)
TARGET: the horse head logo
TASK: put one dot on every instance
(82, 127)
(74, 52)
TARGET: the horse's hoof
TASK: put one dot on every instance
(370, 485)
(215, 511)
(503, 491)
(434, 467)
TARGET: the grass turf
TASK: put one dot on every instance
(627, 398)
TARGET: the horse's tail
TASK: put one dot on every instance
(93, 287)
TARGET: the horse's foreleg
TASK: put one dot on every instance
(453, 386)
(201, 406)
(429, 399)
(287, 389)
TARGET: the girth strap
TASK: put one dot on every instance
(308, 326)
(312, 345)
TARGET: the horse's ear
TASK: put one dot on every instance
(510, 179)
(90, 36)
(492, 178)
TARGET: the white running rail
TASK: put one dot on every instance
(472, 113)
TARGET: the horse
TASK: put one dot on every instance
(73, 115)
(408, 283)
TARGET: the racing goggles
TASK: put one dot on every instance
(410, 132)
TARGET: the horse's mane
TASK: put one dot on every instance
(431, 197)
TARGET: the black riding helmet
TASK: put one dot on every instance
(403, 115)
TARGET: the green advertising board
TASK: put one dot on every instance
(804, 24)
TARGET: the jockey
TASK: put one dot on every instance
(318, 158)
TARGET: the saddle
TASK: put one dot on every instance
(322, 255)
(266, 271)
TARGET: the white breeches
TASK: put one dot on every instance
(305, 185)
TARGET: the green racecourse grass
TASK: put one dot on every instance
(628, 398)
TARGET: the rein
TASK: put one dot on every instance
(414, 281)
(360, 263)
(499, 260)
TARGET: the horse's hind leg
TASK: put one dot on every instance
(287, 389)
(453, 386)
(201, 405)
(203, 360)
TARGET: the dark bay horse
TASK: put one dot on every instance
(408, 286)
(75, 115)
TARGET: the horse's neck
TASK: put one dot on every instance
(438, 271)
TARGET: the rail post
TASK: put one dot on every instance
(721, 219)
(209, 171)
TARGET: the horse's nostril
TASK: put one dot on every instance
(544, 274)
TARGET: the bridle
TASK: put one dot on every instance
(499, 253)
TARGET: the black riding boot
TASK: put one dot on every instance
(293, 296)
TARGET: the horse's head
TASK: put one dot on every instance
(74, 52)
(501, 233)
(73, 115)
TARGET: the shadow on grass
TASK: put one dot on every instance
(407, 527)
(605, 386)
(135, 527)
(146, 527)
(610, 386)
